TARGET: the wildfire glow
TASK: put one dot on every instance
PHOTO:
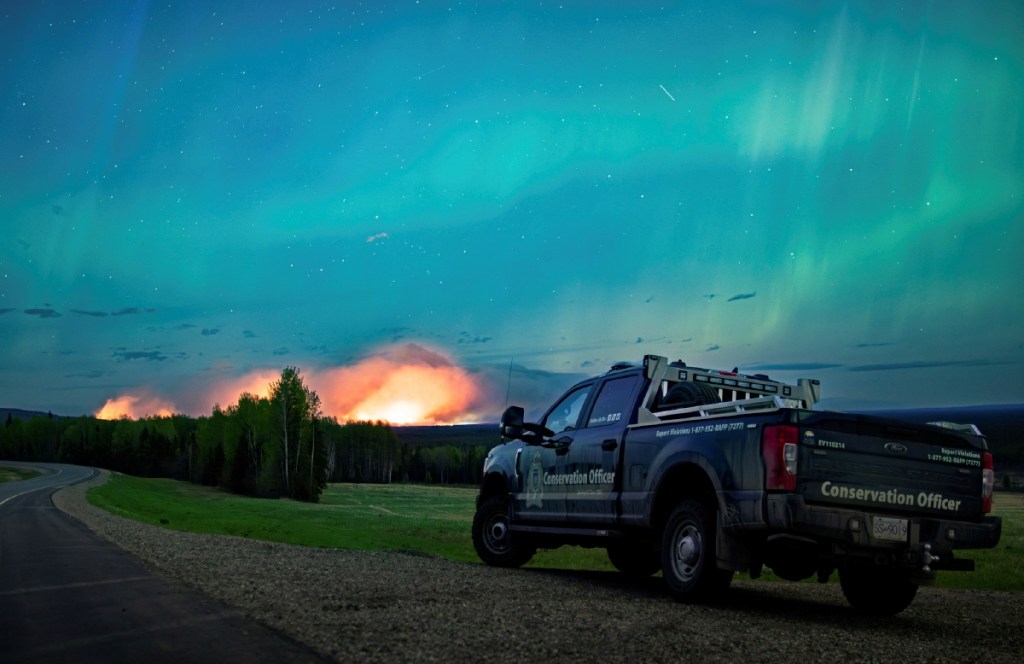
(406, 384)
(135, 407)
(256, 383)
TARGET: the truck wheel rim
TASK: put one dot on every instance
(497, 534)
(687, 551)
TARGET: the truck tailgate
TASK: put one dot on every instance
(891, 466)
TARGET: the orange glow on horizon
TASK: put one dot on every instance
(399, 391)
(134, 407)
(257, 383)
(403, 385)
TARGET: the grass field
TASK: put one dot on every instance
(430, 519)
(13, 474)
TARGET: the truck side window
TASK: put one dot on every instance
(613, 401)
(566, 414)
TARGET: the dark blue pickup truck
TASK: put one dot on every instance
(700, 474)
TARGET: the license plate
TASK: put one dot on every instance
(888, 529)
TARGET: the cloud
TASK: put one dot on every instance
(874, 345)
(897, 366)
(6, 311)
(120, 312)
(742, 296)
(128, 310)
(792, 366)
(378, 236)
(248, 334)
(210, 331)
(414, 354)
(397, 333)
(42, 313)
(123, 355)
(713, 347)
(534, 389)
(94, 373)
(466, 338)
(283, 350)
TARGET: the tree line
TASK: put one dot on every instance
(281, 445)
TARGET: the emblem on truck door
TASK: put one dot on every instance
(535, 483)
(896, 448)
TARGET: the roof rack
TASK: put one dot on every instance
(738, 392)
(727, 408)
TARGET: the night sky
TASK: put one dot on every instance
(407, 199)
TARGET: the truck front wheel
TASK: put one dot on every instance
(688, 554)
(881, 591)
(492, 538)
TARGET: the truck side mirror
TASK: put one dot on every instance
(512, 422)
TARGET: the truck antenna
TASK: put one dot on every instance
(508, 383)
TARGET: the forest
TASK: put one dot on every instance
(278, 446)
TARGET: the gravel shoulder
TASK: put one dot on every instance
(371, 606)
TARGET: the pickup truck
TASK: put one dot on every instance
(700, 474)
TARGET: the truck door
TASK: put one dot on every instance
(541, 467)
(592, 461)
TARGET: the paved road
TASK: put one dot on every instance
(68, 596)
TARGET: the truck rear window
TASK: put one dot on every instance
(613, 401)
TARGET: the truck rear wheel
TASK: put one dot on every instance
(492, 538)
(688, 554)
(881, 591)
(636, 560)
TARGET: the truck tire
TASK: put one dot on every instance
(635, 560)
(492, 538)
(688, 554)
(685, 394)
(880, 591)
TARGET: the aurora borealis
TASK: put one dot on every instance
(196, 193)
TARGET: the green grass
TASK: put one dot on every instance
(999, 568)
(433, 520)
(15, 474)
(428, 519)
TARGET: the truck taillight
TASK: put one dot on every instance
(988, 481)
(778, 446)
